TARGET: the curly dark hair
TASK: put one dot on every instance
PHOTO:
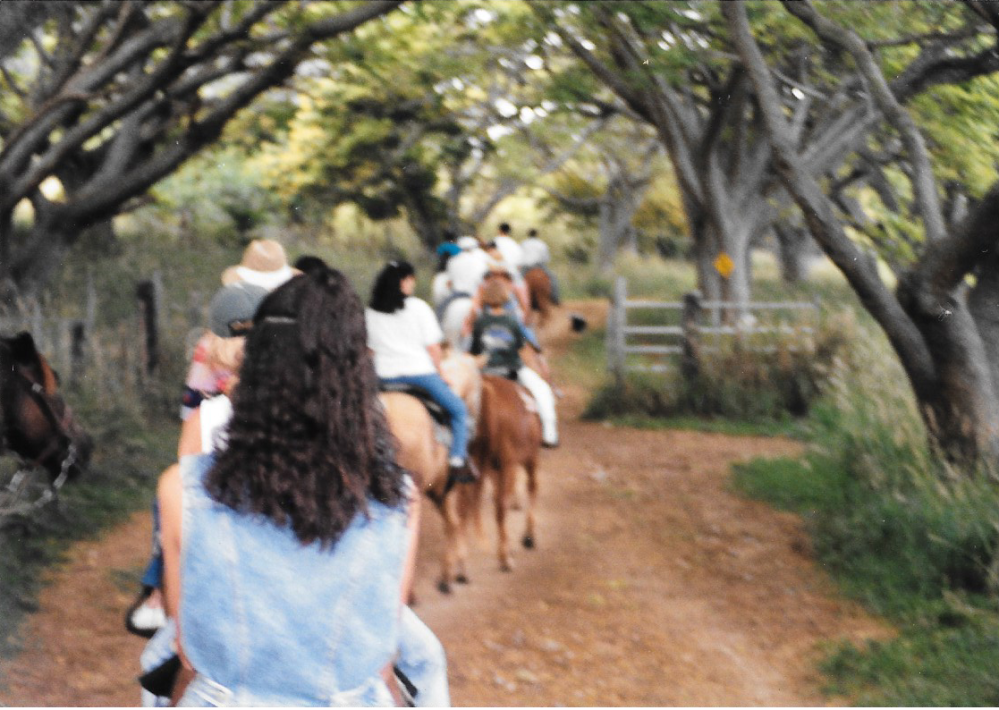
(386, 294)
(308, 443)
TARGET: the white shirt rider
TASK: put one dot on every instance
(465, 270)
(400, 340)
(535, 252)
(510, 249)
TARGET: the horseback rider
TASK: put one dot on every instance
(306, 489)
(231, 315)
(405, 338)
(499, 337)
(464, 272)
(508, 246)
(440, 287)
(518, 305)
(265, 265)
(536, 255)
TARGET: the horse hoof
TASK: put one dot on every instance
(443, 587)
(529, 542)
(461, 579)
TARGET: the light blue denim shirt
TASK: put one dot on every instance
(267, 620)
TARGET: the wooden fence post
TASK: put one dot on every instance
(615, 330)
(690, 363)
(146, 294)
(90, 319)
(78, 340)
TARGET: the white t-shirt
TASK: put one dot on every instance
(215, 414)
(465, 270)
(535, 252)
(400, 340)
(440, 288)
(511, 251)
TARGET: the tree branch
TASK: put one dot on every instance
(927, 199)
(93, 204)
(822, 222)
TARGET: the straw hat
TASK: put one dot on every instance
(264, 264)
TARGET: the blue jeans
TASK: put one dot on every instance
(153, 576)
(438, 390)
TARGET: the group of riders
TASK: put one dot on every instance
(483, 285)
(243, 447)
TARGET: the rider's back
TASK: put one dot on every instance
(268, 620)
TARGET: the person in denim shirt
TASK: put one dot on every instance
(306, 490)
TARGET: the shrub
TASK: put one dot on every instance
(751, 378)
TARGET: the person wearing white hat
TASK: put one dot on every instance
(265, 265)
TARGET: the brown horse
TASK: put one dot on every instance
(508, 442)
(35, 422)
(426, 458)
(539, 286)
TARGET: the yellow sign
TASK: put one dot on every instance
(724, 265)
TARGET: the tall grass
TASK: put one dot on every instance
(910, 536)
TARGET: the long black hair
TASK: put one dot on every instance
(386, 294)
(308, 445)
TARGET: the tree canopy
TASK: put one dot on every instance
(102, 100)
(875, 120)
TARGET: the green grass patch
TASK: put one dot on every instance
(806, 486)
(913, 539)
(732, 427)
(948, 659)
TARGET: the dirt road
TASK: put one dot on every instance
(651, 585)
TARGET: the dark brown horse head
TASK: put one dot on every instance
(35, 421)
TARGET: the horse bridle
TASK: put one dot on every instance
(60, 426)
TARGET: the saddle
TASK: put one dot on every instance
(437, 412)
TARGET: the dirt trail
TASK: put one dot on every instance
(652, 585)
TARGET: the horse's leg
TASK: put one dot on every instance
(531, 469)
(469, 504)
(450, 515)
(501, 494)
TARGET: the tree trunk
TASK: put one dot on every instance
(422, 219)
(45, 249)
(792, 242)
(960, 405)
(607, 246)
(709, 281)
(983, 303)
(8, 287)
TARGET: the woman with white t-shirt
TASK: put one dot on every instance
(405, 338)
